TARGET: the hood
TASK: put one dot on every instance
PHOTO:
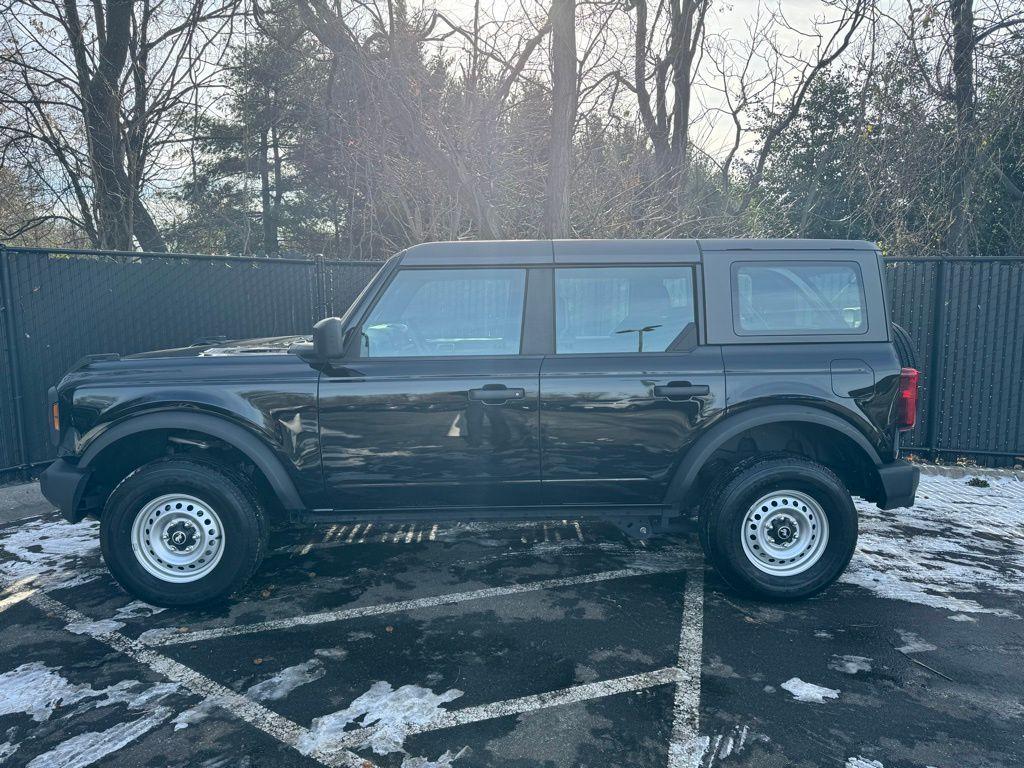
(220, 347)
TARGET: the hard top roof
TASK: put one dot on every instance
(525, 252)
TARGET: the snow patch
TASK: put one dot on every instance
(444, 761)
(46, 552)
(87, 748)
(850, 665)
(37, 690)
(287, 680)
(912, 643)
(387, 712)
(955, 543)
(7, 749)
(137, 610)
(94, 628)
(335, 654)
(863, 762)
(809, 692)
(962, 617)
(195, 714)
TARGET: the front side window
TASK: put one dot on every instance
(798, 298)
(447, 312)
(622, 309)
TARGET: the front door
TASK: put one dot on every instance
(629, 384)
(439, 409)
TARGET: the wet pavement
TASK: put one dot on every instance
(558, 644)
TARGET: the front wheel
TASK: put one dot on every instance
(781, 527)
(182, 533)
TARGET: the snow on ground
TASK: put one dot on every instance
(287, 680)
(809, 692)
(388, 712)
(851, 665)
(46, 552)
(957, 542)
(87, 748)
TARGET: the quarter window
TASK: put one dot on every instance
(622, 309)
(447, 312)
(798, 298)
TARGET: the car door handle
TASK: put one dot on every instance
(497, 394)
(681, 390)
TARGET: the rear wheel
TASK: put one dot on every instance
(181, 533)
(780, 527)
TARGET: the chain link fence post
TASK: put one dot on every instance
(937, 358)
(12, 359)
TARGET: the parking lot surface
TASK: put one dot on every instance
(551, 644)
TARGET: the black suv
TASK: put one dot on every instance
(755, 382)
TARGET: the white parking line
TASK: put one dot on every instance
(161, 637)
(277, 726)
(572, 695)
(686, 747)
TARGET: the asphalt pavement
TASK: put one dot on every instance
(544, 644)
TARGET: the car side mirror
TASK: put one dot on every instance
(329, 339)
(328, 343)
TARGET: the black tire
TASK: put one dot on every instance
(726, 504)
(904, 346)
(237, 506)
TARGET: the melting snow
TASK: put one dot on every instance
(957, 541)
(809, 692)
(37, 690)
(287, 680)
(137, 610)
(86, 748)
(94, 628)
(387, 713)
(46, 552)
(195, 714)
(863, 762)
(444, 761)
(851, 665)
(912, 643)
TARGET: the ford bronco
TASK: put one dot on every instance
(754, 384)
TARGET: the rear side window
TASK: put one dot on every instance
(622, 309)
(447, 312)
(798, 298)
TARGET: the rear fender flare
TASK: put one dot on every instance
(685, 478)
(245, 441)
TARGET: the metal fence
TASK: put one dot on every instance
(966, 317)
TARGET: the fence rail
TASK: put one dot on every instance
(964, 315)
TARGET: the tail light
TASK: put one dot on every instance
(906, 403)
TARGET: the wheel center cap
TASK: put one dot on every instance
(181, 536)
(782, 531)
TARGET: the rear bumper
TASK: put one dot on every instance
(63, 485)
(898, 484)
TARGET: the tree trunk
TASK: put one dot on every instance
(962, 14)
(563, 114)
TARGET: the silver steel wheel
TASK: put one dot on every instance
(784, 533)
(178, 538)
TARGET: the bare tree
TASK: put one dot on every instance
(563, 115)
(103, 92)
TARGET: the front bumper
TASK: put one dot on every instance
(898, 484)
(63, 484)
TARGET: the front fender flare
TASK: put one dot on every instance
(248, 443)
(685, 478)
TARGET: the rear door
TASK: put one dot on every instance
(439, 406)
(630, 382)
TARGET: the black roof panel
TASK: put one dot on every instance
(527, 252)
